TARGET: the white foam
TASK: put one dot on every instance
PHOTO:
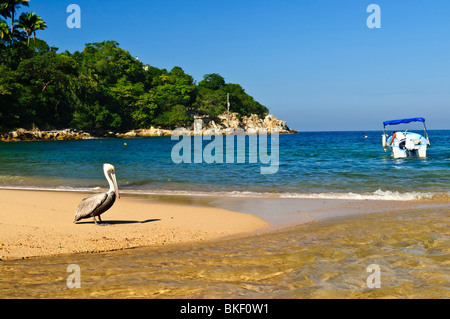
(376, 195)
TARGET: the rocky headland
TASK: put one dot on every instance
(232, 124)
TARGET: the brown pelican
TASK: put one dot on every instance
(97, 204)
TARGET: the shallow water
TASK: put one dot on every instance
(327, 259)
(311, 164)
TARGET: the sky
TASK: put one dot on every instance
(314, 63)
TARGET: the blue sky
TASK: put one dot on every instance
(313, 63)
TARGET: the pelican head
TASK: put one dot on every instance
(110, 174)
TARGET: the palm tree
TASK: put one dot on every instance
(40, 25)
(27, 22)
(4, 29)
(30, 22)
(8, 9)
(4, 11)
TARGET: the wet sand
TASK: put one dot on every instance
(197, 249)
(282, 213)
(40, 223)
(328, 259)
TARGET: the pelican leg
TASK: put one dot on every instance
(100, 222)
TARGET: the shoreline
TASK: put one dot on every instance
(22, 135)
(247, 125)
(38, 223)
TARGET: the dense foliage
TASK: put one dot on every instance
(102, 87)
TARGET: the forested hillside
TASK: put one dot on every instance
(101, 87)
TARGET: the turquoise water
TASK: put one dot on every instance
(320, 260)
(326, 259)
(311, 164)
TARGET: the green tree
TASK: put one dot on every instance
(243, 103)
(169, 95)
(110, 62)
(212, 81)
(51, 79)
(39, 25)
(114, 82)
(144, 111)
(9, 8)
(210, 102)
(4, 30)
(101, 87)
(4, 11)
(177, 116)
(137, 107)
(211, 98)
(178, 76)
(173, 88)
(14, 53)
(30, 22)
(12, 113)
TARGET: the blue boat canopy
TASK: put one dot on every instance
(404, 121)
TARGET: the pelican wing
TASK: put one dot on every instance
(87, 206)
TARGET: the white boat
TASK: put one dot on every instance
(406, 144)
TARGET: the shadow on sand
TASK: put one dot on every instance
(121, 222)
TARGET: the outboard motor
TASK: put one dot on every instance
(409, 144)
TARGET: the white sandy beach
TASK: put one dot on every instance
(40, 223)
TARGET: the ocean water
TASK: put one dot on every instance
(311, 165)
(325, 259)
(329, 259)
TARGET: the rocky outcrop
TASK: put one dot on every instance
(252, 124)
(34, 135)
(148, 132)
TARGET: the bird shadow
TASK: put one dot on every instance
(121, 222)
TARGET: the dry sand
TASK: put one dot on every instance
(40, 223)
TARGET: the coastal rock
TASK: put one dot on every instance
(230, 121)
(129, 134)
(148, 132)
(223, 124)
(273, 123)
(36, 135)
(252, 124)
(253, 121)
(152, 132)
(14, 134)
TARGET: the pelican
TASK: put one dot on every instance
(97, 204)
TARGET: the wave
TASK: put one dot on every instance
(376, 195)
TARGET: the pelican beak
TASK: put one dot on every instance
(116, 189)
